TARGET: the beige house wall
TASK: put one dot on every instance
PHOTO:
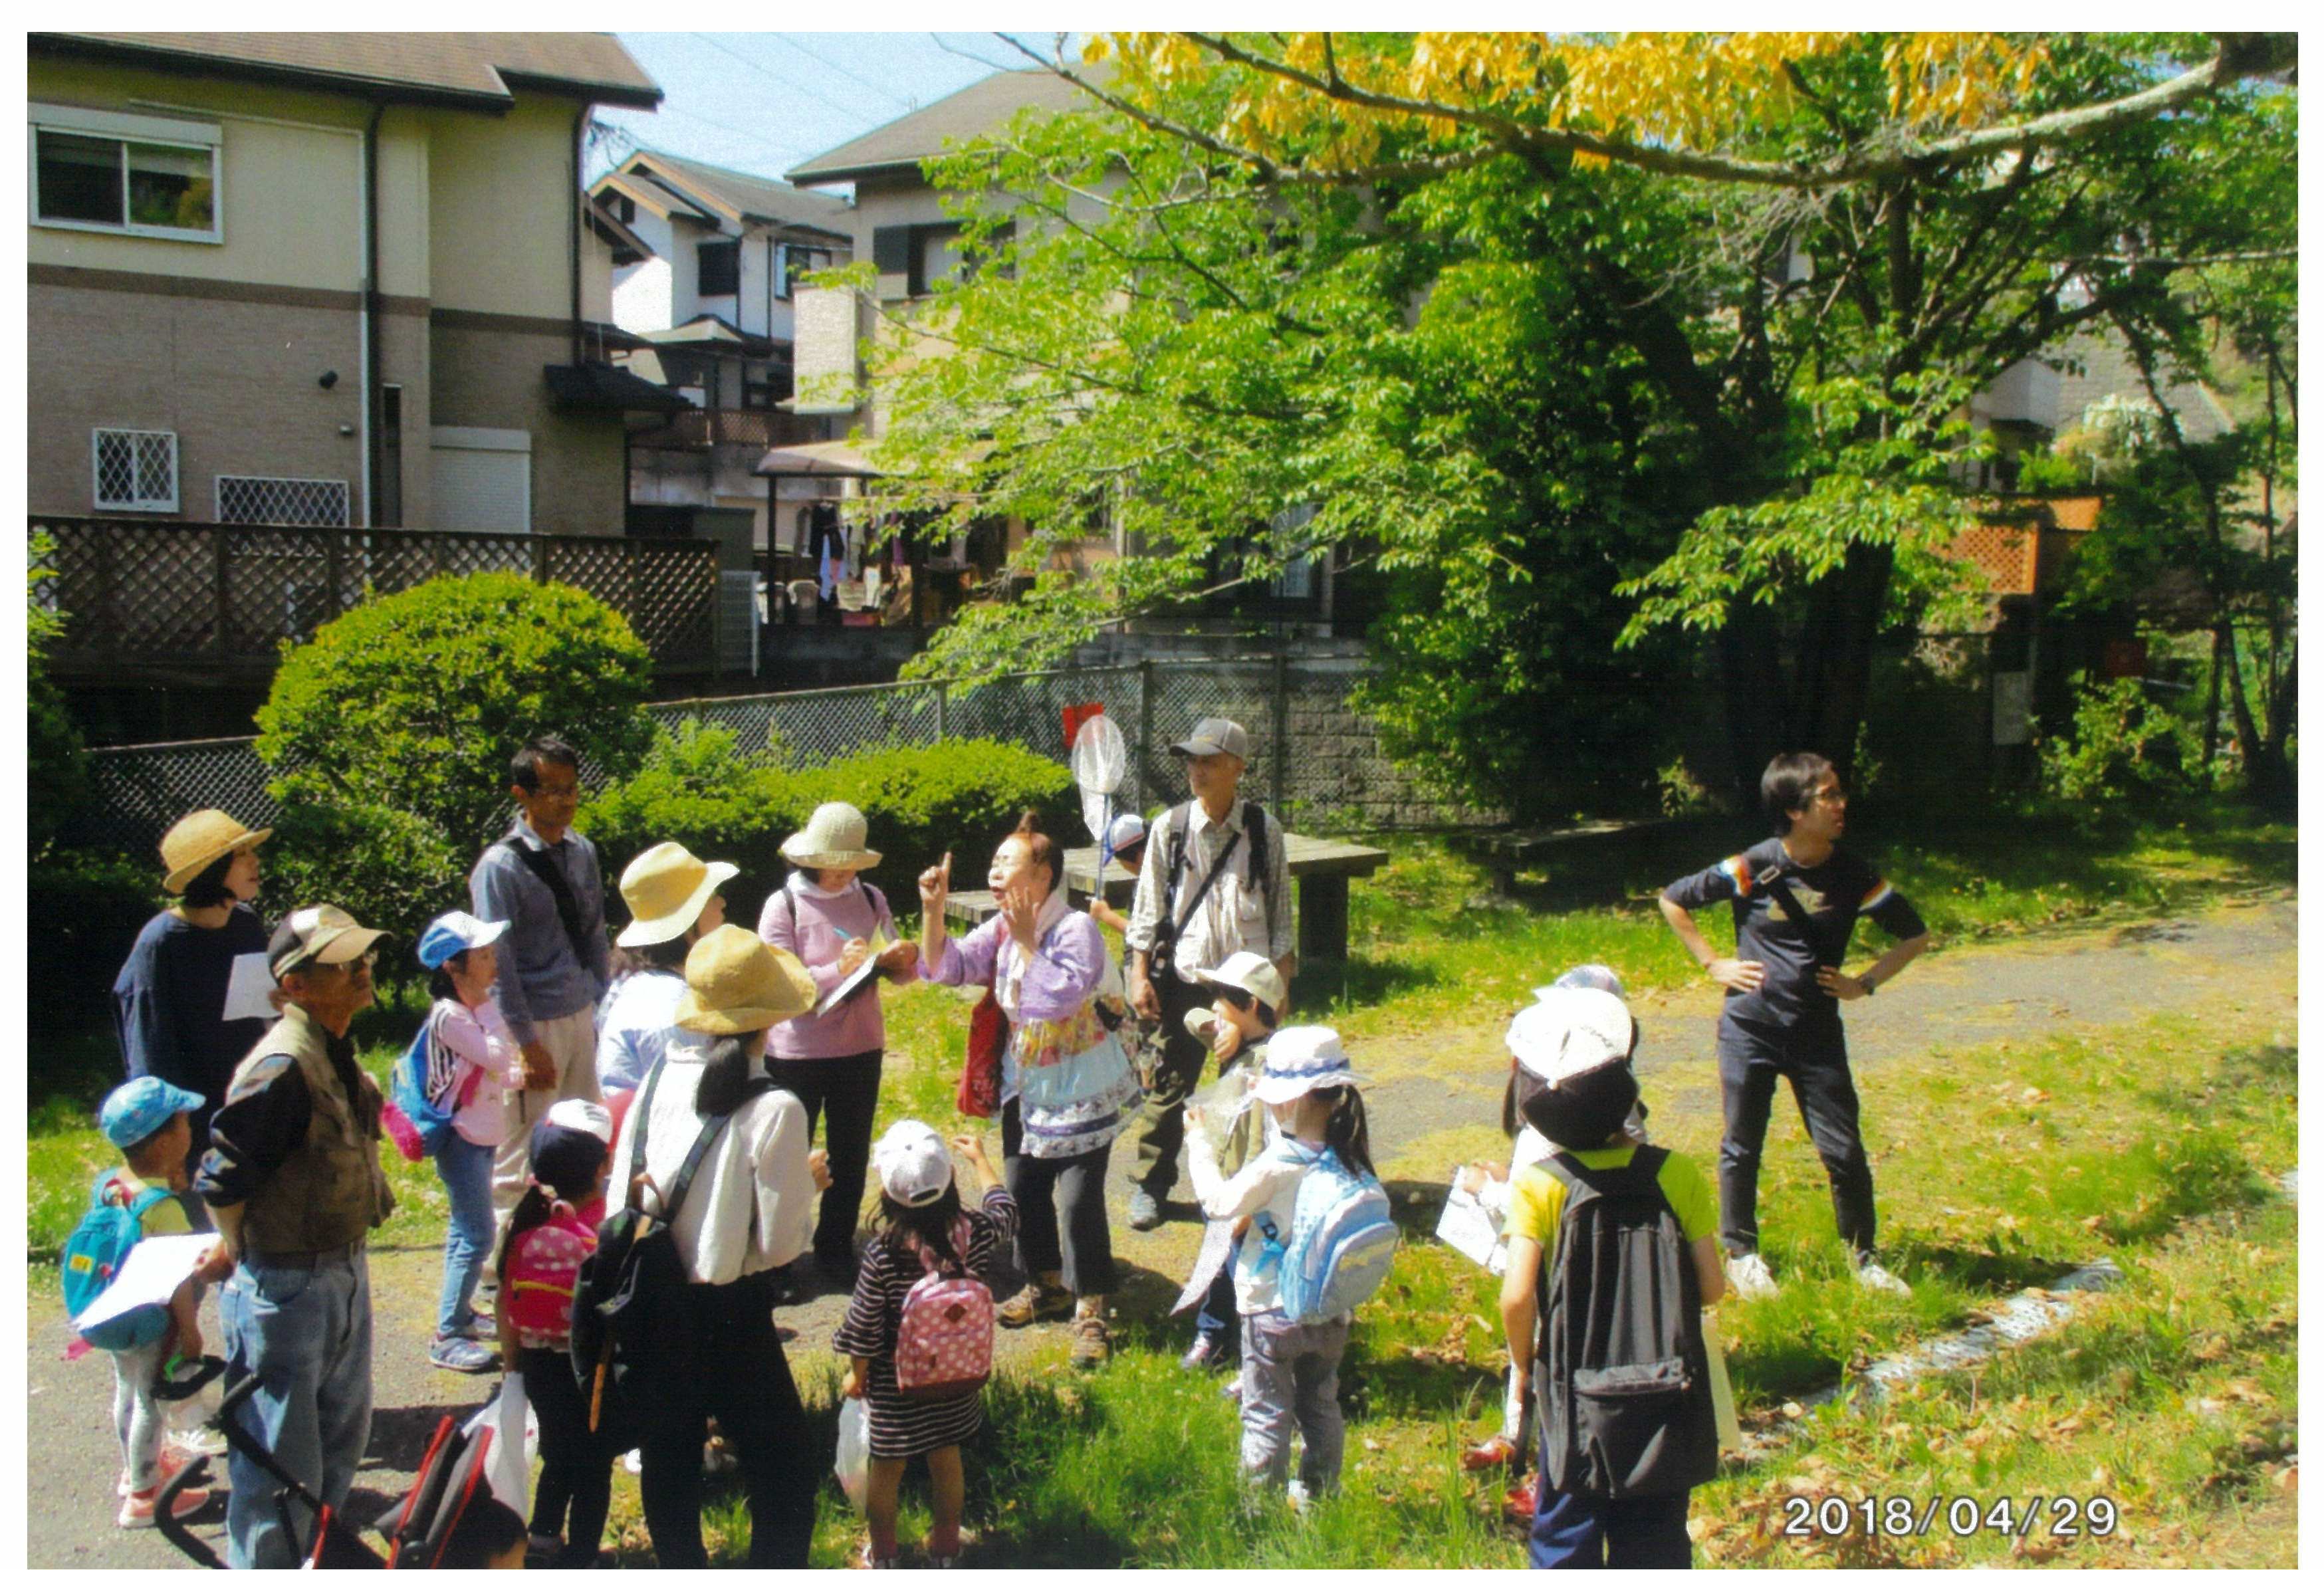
(488, 373)
(502, 206)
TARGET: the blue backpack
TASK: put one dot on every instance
(94, 1256)
(1342, 1245)
(423, 1094)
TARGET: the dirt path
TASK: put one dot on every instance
(1437, 1103)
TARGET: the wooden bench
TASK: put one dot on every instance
(1513, 848)
(1320, 870)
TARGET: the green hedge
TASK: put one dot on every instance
(87, 907)
(960, 796)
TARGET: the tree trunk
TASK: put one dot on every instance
(1751, 677)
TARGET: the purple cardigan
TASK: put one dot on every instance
(856, 1026)
(1067, 966)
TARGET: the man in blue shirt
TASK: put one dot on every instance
(1795, 901)
(542, 879)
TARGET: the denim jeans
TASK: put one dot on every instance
(1291, 1373)
(1748, 1070)
(466, 1170)
(306, 1332)
(1647, 1532)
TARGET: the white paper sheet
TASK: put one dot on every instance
(248, 991)
(1218, 1246)
(155, 1268)
(1471, 1228)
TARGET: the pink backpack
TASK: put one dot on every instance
(944, 1339)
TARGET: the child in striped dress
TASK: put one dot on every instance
(920, 1209)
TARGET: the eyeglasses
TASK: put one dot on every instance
(554, 792)
(1831, 793)
(345, 967)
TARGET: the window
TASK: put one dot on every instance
(910, 258)
(131, 173)
(257, 499)
(721, 263)
(136, 471)
(793, 264)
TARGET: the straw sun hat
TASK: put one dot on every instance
(735, 984)
(666, 888)
(199, 839)
(833, 837)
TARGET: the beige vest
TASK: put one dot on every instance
(331, 1190)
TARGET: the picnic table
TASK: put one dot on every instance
(1320, 870)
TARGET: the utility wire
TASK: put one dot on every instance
(711, 39)
(843, 70)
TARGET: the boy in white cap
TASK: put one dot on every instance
(1247, 999)
(1215, 881)
(1127, 834)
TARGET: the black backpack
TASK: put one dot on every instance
(631, 1307)
(1620, 1372)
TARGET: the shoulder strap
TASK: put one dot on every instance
(542, 865)
(881, 915)
(1254, 826)
(791, 909)
(146, 1201)
(638, 1113)
(1779, 889)
(711, 1129)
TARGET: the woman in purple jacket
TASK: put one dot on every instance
(1066, 1080)
(835, 921)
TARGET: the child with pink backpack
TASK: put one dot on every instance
(920, 1328)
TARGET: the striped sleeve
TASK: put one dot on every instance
(1731, 879)
(1889, 909)
(865, 1332)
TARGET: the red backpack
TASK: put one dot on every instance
(944, 1338)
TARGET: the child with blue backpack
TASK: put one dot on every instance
(147, 1119)
(472, 1067)
(1319, 1241)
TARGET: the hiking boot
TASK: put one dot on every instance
(1498, 1451)
(1039, 1300)
(1145, 1210)
(462, 1355)
(1091, 1344)
(138, 1509)
(1207, 1353)
(1749, 1276)
(1870, 1275)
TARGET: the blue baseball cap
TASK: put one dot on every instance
(455, 932)
(137, 1110)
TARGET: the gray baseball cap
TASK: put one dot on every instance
(1211, 737)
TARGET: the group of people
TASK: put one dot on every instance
(580, 1069)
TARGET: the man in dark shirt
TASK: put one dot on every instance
(1795, 901)
(294, 1180)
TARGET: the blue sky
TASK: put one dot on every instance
(767, 102)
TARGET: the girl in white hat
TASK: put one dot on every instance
(1290, 1370)
(673, 899)
(835, 921)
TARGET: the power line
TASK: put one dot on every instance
(843, 70)
(711, 39)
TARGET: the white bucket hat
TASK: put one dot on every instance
(1247, 972)
(833, 837)
(1572, 1030)
(915, 1167)
(1301, 1058)
(666, 888)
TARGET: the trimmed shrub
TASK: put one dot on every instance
(388, 868)
(91, 905)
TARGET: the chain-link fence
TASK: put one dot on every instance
(1315, 760)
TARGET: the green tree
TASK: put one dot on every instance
(56, 766)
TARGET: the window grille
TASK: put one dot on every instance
(258, 499)
(134, 471)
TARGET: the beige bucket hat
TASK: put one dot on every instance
(318, 935)
(735, 984)
(833, 837)
(199, 839)
(666, 888)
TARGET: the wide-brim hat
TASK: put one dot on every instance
(1251, 973)
(318, 935)
(1301, 1058)
(666, 888)
(1572, 1030)
(199, 839)
(833, 838)
(735, 984)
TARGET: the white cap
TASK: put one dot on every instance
(585, 1115)
(915, 1167)
(1571, 1031)
(1247, 972)
(1303, 1059)
(1124, 831)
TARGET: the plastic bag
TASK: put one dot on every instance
(853, 1466)
(508, 1469)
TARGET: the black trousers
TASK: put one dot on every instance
(1046, 1189)
(577, 1469)
(1749, 1069)
(730, 1367)
(1161, 1129)
(844, 1092)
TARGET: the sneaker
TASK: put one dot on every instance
(174, 1459)
(1300, 1500)
(1498, 1451)
(138, 1509)
(1091, 1344)
(462, 1355)
(1145, 1210)
(1518, 1507)
(1749, 1276)
(195, 1442)
(1872, 1277)
(1039, 1300)
(1207, 1353)
(478, 1327)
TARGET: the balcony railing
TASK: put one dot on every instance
(750, 428)
(153, 598)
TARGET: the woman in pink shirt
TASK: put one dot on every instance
(470, 1051)
(834, 922)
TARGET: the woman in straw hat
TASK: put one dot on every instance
(747, 1214)
(170, 1001)
(673, 899)
(834, 922)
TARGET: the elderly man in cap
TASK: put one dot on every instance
(293, 1181)
(1214, 882)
